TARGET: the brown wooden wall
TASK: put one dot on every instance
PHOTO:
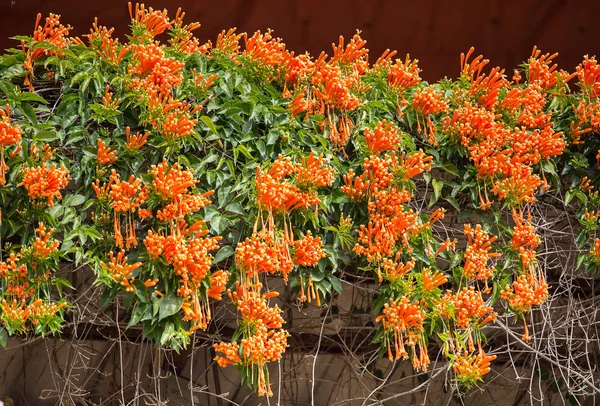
(435, 32)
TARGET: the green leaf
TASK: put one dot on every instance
(335, 283)
(209, 123)
(138, 312)
(46, 136)
(169, 305)
(73, 200)
(453, 202)
(437, 191)
(224, 253)
(568, 197)
(3, 337)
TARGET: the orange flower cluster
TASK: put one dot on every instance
(41, 311)
(404, 321)
(525, 239)
(432, 280)
(120, 270)
(308, 250)
(394, 270)
(187, 250)
(542, 70)
(478, 253)
(154, 22)
(525, 292)
(10, 134)
(125, 198)
(100, 39)
(400, 75)
(470, 368)
(44, 182)
(172, 185)
(182, 38)
(135, 142)
(287, 186)
(588, 75)
(263, 340)
(171, 118)
(43, 246)
(22, 274)
(382, 183)
(429, 102)
(264, 253)
(53, 33)
(265, 50)
(500, 153)
(483, 88)
(467, 308)
(105, 155)
(383, 138)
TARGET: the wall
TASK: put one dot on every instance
(435, 32)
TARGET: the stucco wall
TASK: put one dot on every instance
(433, 31)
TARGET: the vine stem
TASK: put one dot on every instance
(547, 358)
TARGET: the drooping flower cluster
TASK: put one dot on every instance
(404, 320)
(262, 337)
(10, 135)
(45, 182)
(25, 305)
(288, 186)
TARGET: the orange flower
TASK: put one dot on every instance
(588, 74)
(108, 102)
(135, 142)
(151, 72)
(10, 134)
(402, 75)
(383, 138)
(43, 247)
(45, 182)
(429, 102)
(404, 320)
(171, 118)
(394, 270)
(469, 368)
(478, 253)
(53, 33)
(218, 284)
(182, 38)
(262, 340)
(519, 185)
(107, 47)
(265, 50)
(287, 186)
(541, 70)
(228, 42)
(172, 185)
(525, 239)
(432, 281)
(120, 271)
(308, 250)
(448, 244)
(261, 253)
(155, 22)
(467, 308)
(105, 155)
(202, 82)
(127, 196)
(525, 292)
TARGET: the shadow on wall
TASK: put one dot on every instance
(434, 32)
